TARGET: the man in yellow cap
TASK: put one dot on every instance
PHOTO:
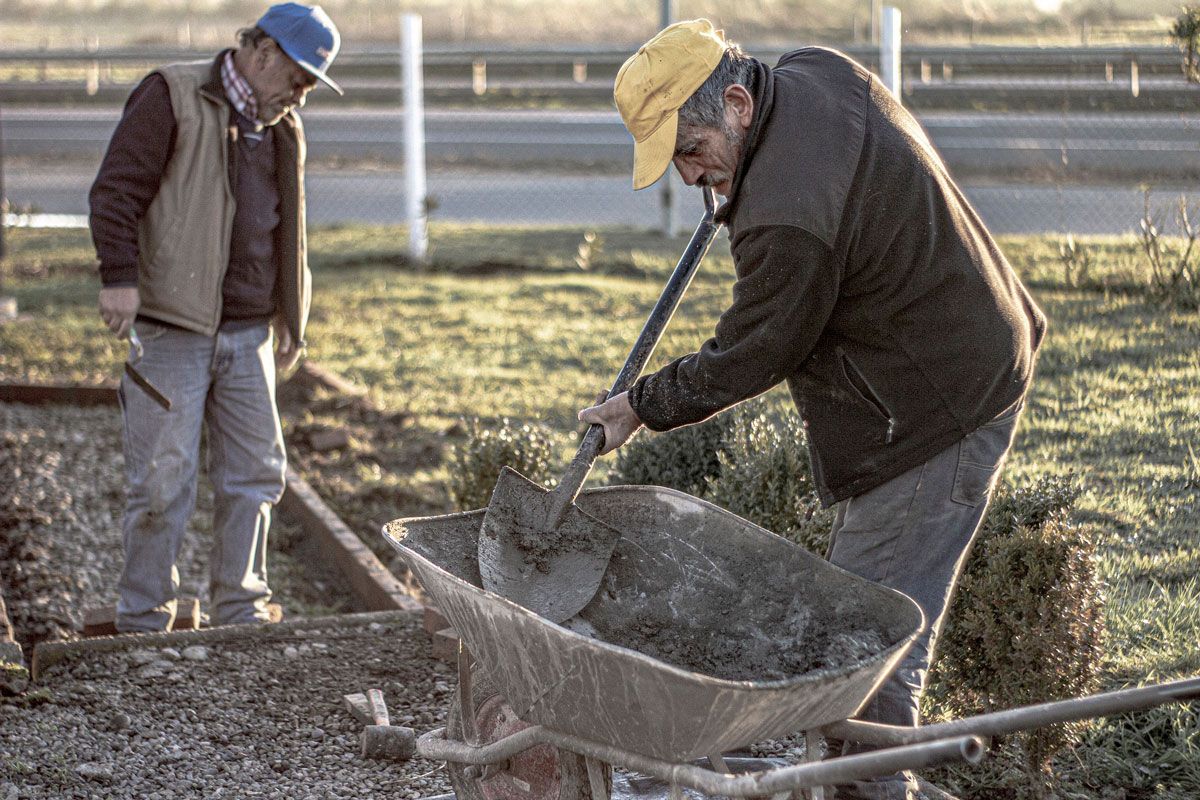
(868, 283)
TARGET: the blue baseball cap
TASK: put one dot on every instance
(306, 34)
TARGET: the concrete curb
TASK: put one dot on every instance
(372, 583)
(46, 654)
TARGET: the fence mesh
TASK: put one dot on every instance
(1059, 141)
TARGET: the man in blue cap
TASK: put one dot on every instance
(198, 219)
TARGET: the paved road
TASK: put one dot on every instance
(1120, 146)
(545, 198)
(55, 154)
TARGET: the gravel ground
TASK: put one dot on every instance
(61, 501)
(259, 715)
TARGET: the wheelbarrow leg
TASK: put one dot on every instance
(814, 747)
(595, 773)
(466, 704)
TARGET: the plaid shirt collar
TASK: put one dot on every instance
(238, 91)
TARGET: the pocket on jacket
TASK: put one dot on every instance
(862, 388)
(980, 456)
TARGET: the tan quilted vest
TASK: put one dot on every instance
(183, 240)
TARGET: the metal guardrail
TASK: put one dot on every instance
(978, 59)
(1144, 78)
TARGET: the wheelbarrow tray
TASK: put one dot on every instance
(679, 561)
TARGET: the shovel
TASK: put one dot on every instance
(536, 547)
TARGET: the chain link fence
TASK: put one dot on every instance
(1056, 141)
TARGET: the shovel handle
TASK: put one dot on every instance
(643, 348)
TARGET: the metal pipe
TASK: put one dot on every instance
(434, 745)
(1021, 719)
(801, 776)
(595, 771)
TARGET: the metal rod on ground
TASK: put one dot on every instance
(1001, 723)
(666, 15)
(415, 198)
(889, 51)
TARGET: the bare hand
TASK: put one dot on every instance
(118, 308)
(618, 418)
(286, 351)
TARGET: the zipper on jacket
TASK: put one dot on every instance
(867, 392)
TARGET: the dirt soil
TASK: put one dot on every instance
(367, 463)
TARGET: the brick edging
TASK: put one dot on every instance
(46, 654)
(58, 394)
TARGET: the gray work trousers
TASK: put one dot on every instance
(913, 534)
(226, 383)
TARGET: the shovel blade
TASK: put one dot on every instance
(553, 570)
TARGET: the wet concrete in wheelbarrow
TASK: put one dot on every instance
(787, 646)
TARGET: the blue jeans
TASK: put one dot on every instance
(913, 534)
(225, 383)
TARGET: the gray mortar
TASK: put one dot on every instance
(738, 649)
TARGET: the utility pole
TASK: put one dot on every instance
(3, 199)
(415, 192)
(889, 52)
(876, 20)
(666, 15)
(8, 305)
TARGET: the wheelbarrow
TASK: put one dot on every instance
(708, 633)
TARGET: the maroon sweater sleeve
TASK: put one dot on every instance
(786, 289)
(129, 178)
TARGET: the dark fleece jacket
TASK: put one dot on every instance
(864, 279)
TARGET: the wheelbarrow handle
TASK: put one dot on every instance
(643, 348)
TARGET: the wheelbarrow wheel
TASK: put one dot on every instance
(544, 772)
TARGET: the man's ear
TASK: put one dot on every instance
(263, 51)
(739, 106)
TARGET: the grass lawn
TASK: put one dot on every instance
(506, 325)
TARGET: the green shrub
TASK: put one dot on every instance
(745, 460)
(765, 478)
(1174, 262)
(1077, 262)
(1186, 31)
(475, 464)
(1026, 623)
(682, 459)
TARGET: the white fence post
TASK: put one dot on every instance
(668, 193)
(889, 51)
(416, 208)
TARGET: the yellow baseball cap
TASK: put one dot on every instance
(655, 82)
